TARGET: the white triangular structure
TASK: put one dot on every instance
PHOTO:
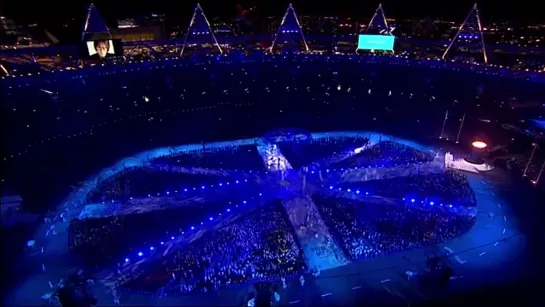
(469, 33)
(378, 24)
(463, 165)
(94, 24)
(199, 31)
(289, 29)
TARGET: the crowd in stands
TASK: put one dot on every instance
(145, 96)
(141, 182)
(259, 247)
(386, 153)
(107, 240)
(449, 187)
(104, 113)
(243, 157)
(366, 230)
(60, 127)
(97, 241)
(304, 152)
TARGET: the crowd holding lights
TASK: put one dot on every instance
(386, 154)
(422, 204)
(83, 111)
(449, 186)
(366, 230)
(134, 183)
(278, 84)
(34, 114)
(414, 56)
(123, 110)
(259, 247)
(447, 64)
(199, 267)
(300, 151)
(240, 158)
(101, 240)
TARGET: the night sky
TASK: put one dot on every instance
(47, 11)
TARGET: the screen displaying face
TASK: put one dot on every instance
(101, 48)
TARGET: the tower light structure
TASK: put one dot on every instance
(470, 29)
(382, 22)
(290, 13)
(198, 19)
(94, 24)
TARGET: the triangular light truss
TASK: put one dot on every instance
(469, 37)
(289, 31)
(199, 33)
(94, 24)
(378, 24)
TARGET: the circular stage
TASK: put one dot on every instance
(352, 212)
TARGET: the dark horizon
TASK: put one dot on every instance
(111, 10)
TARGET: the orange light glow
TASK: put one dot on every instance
(479, 144)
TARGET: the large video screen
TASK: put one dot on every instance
(376, 42)
(102, 49)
